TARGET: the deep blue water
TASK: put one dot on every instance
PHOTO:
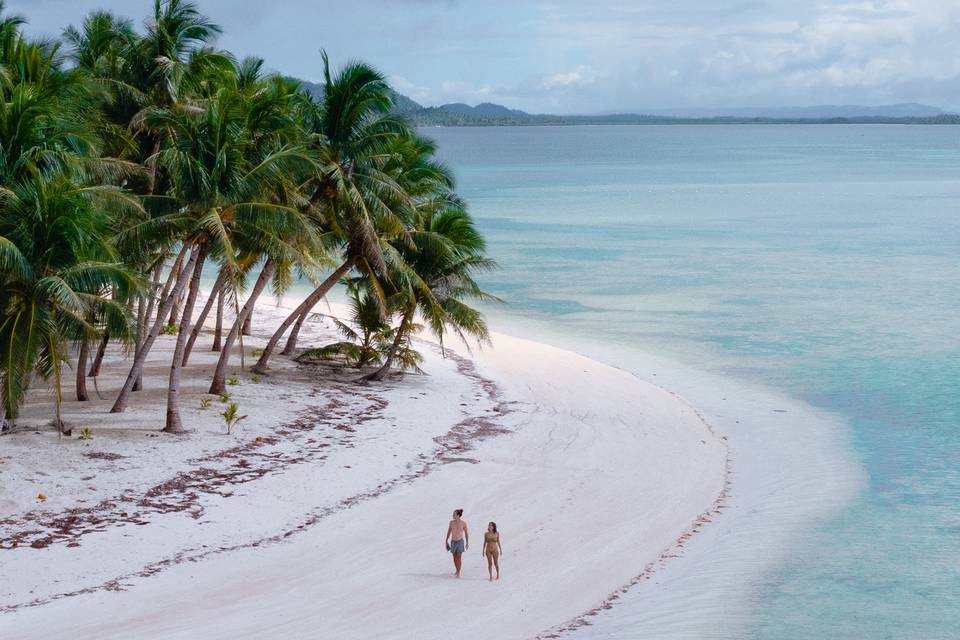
(823, 261)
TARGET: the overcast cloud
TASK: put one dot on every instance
(599, 56)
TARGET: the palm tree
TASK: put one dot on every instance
(360, 204)
(446, 252)
(225, 178)
(58, 268)
(125, 173)
(368, 336)
(54, 259)
(134, 75)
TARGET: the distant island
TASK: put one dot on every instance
(488, 114)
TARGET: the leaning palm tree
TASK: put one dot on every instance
(221, 186)
(357, 201)
(441, 262)
(271, 112)
(135, 74)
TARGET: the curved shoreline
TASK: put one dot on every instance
(794, 470)
(554, 482)
(674, 550)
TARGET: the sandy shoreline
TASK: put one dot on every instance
(329, 525)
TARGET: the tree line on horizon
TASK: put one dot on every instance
(132, 161)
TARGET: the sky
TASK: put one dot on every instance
(596, 56)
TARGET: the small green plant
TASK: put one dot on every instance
(86, 434)
(231, 417)
(233, 381)
(254, 379)
(256, 353)
(170, 330)
(205, 403)
(225, 397)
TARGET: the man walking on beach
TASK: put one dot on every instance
(458, 538)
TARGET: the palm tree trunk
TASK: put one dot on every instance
(247, 323)
(198, 326)
(305, 307)
(291, 345)
(382, 371)
(82, 370)
(58, 400)
(142, 318)
(157, 272)
(175, 311)
(218, 330)
(175, 270)
(217, 386)
(174, 423)
(141, 356)
(141, 325)
(98, 357)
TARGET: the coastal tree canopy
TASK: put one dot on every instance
(131, 158)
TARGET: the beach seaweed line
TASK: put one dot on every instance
(460, 439)
(247, 462)
(673, 550)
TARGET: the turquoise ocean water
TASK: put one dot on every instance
(820, 261)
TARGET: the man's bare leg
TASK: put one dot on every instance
(456, 563)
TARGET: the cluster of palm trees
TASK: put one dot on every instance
(131, 162)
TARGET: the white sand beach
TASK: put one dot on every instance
(323, 514)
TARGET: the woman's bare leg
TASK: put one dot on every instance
(490, 565)
(496, 563)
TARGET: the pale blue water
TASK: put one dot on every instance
(823, 261)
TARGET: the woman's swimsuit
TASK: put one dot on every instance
(491, 540)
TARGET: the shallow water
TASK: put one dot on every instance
(817, 262)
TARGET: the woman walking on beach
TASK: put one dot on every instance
(492, 549)
(458, 538)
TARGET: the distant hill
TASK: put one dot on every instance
(404, 105)
(905, 110)
(490, 114)
(484, 110)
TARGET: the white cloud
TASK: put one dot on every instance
(569, 56)
(582, 75)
